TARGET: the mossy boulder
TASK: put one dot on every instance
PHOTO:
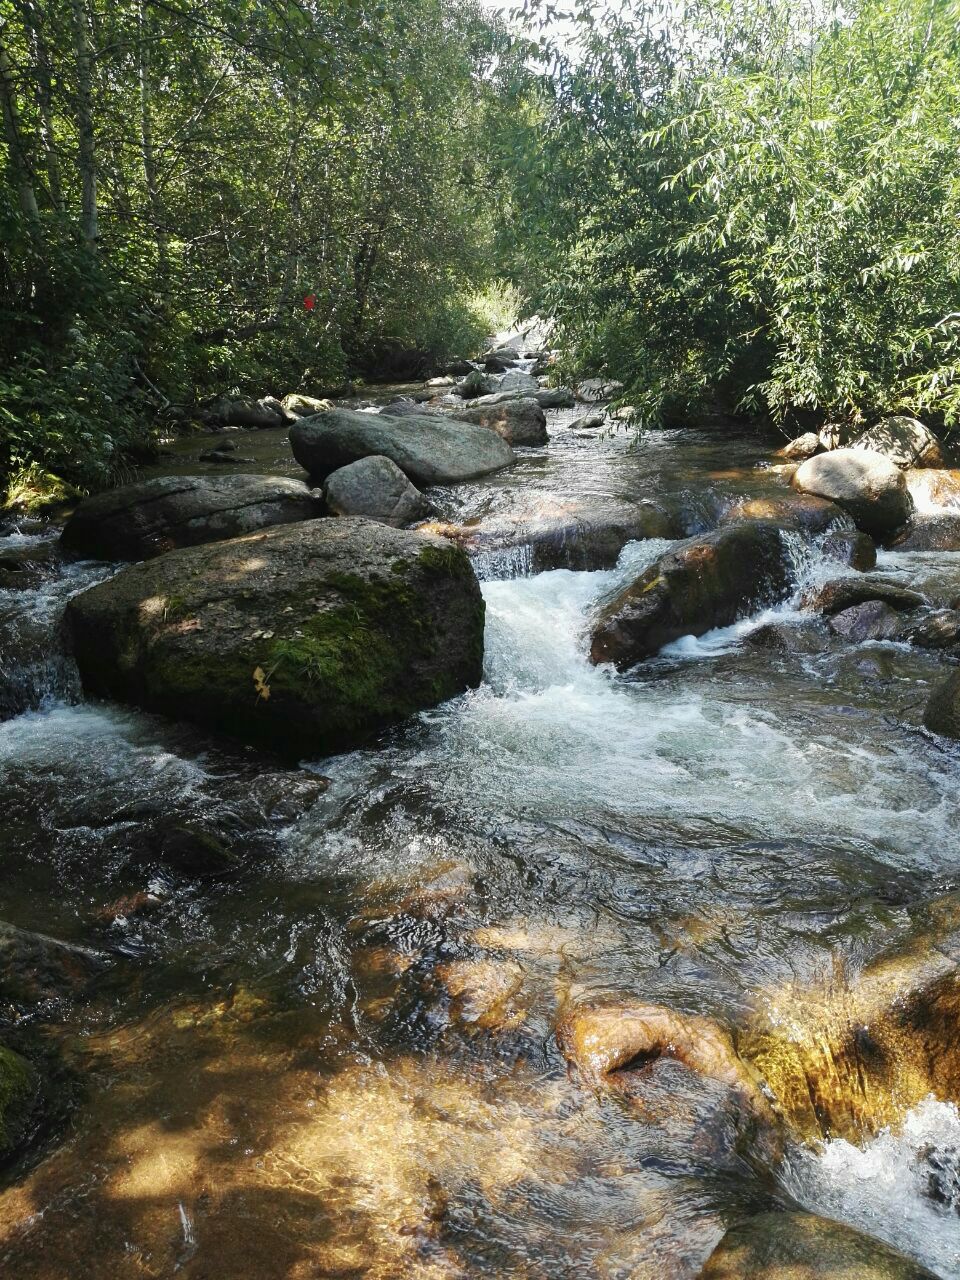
(302, 639)
(18, 1095)
(706, 582)
(142, 520)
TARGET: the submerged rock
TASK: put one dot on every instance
(801, 1246)
(301, 638)
(155, 516)
(903, 441)
(519, 422)
(376, 488)
(19, 1086)
(39, 970)
(873, 620)
(870, 488)
(942, 713)
(429, 449)
(939, 630)
(706, 582)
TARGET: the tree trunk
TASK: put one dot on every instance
(13, 132)
(87, 142)
(33, 21)
(147, 153)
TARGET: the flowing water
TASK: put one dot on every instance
(335, 1055)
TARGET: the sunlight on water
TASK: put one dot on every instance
(902, 1187)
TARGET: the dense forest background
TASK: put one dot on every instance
(747, 206)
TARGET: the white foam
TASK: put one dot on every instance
(883, 1188)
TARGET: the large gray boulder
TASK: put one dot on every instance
(903, 441)
(801, 1246)
(147, 519)
(869, 487)
(302, 639)
(706, 582)
(520, 422)
(244, 411)
(376, 488)
(546, 397)
(429, 449)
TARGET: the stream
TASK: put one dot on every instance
(336, 1056)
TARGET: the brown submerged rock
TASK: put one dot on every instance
(801, 448)
(802, 1246)
(851, 547)
(789, 511)
(302, 638)
(706, 582)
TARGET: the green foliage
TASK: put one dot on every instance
(753, 207)
(245, 155)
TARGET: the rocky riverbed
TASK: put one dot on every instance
(626, 948)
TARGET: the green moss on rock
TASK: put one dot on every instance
(18, 1089)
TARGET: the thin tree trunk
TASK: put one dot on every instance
(87, 148)
(147, 153)
(13, 132)
(33, 21)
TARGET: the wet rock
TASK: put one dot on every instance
(870, 488)
(428, 449)
(156, 516)
(555, 398)
(904, 441)
(519, 422)
(458, 368)
(782, 637)
(376, 488)
(801, 1246)
(244, 412)
(930, 533)
(706, 582)
(19, 1088)
(843, 593)
(223, 458)
(517, 380)
(404, 406)
(801, 448)
(282, 796)
(942, 713)
(593, 389)
(305, 406)
(195, 850)
(496, 364)
(38, 970)
(871, 621)
(474, 384)
(483, 992)
(851, 547)
(583, 537)
(933, 487)
(301, 638)
(850, 1057)
(939, 630)
(789, 511)
(589, 422)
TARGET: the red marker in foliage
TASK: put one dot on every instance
(310, 302)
